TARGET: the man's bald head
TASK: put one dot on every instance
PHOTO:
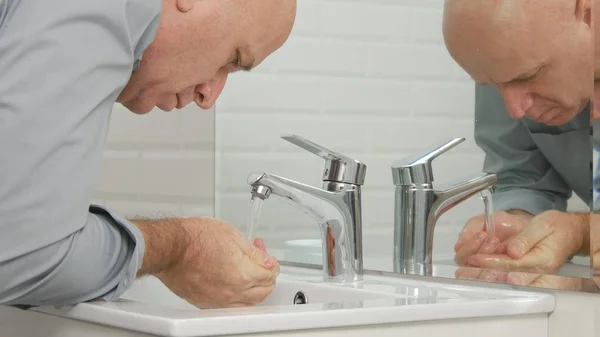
(537, 52)
(199, 43)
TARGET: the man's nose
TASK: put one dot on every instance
(207, 93)
(517, 100)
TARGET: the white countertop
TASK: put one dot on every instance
(378, 300)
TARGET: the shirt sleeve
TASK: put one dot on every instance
(63, 63)
(526, 180)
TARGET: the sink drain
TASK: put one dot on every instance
(300, 298)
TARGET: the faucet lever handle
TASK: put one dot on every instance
(417, 169)
(338, 167)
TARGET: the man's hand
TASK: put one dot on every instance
(474, 240)
(595, 246)
(542, 246)
(208, 262)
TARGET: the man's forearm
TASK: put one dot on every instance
(165, 243)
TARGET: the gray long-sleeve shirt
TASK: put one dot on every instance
(62, 66)
(538, 166)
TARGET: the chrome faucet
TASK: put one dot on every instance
(341, 227)
(418, 206)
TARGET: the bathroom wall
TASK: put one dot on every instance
(368, 78)
(159, 164)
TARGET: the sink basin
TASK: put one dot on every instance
(287, 292)
(379, 300)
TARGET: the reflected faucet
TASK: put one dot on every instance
(418, 207)
(341, 230)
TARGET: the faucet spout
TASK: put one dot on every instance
(447, 199)
(340, 223)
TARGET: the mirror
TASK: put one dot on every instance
(375, 82)
(594, 218)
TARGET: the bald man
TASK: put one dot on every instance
(532, 61)
(64, 64)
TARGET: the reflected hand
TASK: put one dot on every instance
(473, 239)
(544, 281)
(595, 245)
(521, 278)
(542, 246)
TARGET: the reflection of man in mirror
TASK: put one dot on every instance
(532, 61)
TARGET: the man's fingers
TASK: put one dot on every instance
(469, 248)
(489, 246)
(544, 281)
(466, 273)
(536, 262)
(507, 225)
(491, 275)
(256, 295)
(473, 226)
(493, 261)
(262, 274)
(260, 244)
(522, 279)
(538, 229)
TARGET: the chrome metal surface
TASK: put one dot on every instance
(341, 231)
(338, 167)
(418, 170)
(261, 192)
(418, 206)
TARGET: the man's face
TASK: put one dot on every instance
(198, 44)
(537, 53)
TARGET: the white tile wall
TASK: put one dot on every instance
(159, 164)
(368, 78)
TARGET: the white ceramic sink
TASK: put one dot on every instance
(379, 300)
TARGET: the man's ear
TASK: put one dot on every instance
(185, 5)
(583, 11)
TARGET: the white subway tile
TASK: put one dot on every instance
(321, 56)
(426, 24)
(401, 136)
(152, 129)
(264, 92)
(236, 168)
(307, 18)
(364, 20)
(197, 126)
(119, 172)
(442, 99)
(241, 132)
(183, 174)
(364, 96)
(412, 62)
